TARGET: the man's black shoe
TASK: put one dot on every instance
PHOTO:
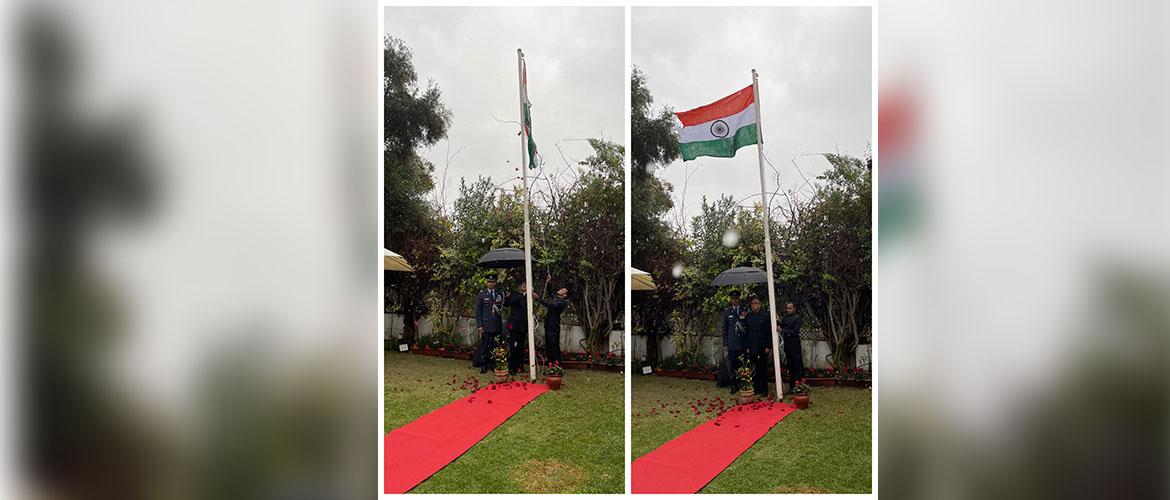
(483, 370)
(733, 391)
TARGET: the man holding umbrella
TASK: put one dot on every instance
(488, 321)
(517, 326)
(734, 341)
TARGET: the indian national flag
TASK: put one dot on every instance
(528, 117)
(719, 128)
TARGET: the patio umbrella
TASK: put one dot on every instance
(394, 262)
(503, 258)
(641, 280)
(740, 276)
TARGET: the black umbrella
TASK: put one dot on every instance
(503, 258)
(740, 276)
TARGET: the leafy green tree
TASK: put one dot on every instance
(653, 143)
(828, 262)
(414, 118)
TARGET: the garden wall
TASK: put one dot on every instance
(571, 335)
(816, 350)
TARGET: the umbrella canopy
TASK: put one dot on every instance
(503, 258)
(641, 280)
(740, 276)
(394, 262)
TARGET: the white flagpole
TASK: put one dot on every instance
(527, 236)
(767, 237)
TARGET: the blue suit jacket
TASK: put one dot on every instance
(485, 316)
(733, 340)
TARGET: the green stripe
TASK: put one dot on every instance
(722, 148)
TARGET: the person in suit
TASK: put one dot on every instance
(790, 332)
(759, 345)
(517, 326)
(734, 340)
(488, 322)
(552, 321)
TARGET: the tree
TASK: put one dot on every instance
(587, 242)
(412, 119)
(828, 262)
(653, 143)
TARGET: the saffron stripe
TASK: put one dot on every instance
(726, 106)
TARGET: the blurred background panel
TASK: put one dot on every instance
(198, 241)
(1023, 272)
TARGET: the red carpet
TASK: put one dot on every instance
(419, 449)
(687, 463)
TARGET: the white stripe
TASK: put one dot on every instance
(702, 131)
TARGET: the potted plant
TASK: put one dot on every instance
(500, 357)
(553, 374)
(744, 375)
(800, 394)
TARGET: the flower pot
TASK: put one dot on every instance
(554, 382)
(801, 401)
(691, 374)
(501, 376)
(447, 354)
(706, 376)
(746, 397)
(461, 355)
(575, 365)
(821, 382)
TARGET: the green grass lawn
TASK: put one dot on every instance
(566, 441)
(824, 449)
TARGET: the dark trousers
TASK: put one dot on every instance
(793, 359)
(552, 345)
(518, 342)
(760, 378)
(733, 363)
(483, 351)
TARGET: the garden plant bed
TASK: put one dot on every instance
(669, 373)
(606, 368)
(821, 382)
(575, 365)
(699, 375)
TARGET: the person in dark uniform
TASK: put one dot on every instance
(552, 321)
(517, 326)
(734, 340)
(790, 331)
(759, 344)
(488, 321)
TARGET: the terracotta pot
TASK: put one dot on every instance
(554, 382)
(461, 355)
(447, 354)
(501, 376)
(746, 397)
(706, 376)
(417, 350)
(575, 365)
(670, 373)
(801, 401)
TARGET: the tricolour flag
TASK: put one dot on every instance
(719, 128)
(528, 118)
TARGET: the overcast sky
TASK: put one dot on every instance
(576, 82)
(815, 78)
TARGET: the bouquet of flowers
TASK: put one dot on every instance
(554, 369)
(744, 373)
(500, 356)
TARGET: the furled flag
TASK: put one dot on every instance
(719, 128)
(528, 119)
